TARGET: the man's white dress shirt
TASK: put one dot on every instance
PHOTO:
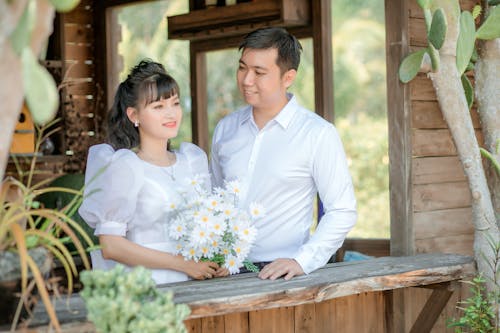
(283, 166)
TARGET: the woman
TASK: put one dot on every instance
(130, 180)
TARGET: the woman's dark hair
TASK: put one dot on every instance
(287, 45)
(147, 82)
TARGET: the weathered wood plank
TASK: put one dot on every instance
(193, 325)
(398, 113)
(214, 324)
(418, 32)
(236, 322)
(436, 142)
(427, 114)
(79, 51)
(305, 318)
(462, 244)
(421, 89)
(430, 197)
(432, 309)
(437, 223)
(245, 292)
(78, 33)
(442, 169)
(276, 320)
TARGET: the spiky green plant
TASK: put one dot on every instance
(25, 224)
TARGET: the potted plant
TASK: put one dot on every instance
(29, 230)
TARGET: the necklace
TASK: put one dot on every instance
(166, 165)
(170, 171)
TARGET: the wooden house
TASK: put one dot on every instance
(430, 198)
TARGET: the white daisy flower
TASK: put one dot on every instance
(233, 187)
(256, 210)
(232, 264)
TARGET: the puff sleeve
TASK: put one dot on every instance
(197, 161)
(113, 180)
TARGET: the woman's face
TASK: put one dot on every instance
(160, 119)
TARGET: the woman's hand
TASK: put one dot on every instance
(221, 272)
(201, 270)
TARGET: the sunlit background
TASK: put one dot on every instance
(359, 88)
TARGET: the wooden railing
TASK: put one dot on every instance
(244, 303)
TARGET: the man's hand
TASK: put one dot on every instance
(283, 266)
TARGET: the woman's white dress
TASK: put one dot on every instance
(129, 197)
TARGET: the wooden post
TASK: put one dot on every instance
(398, 108)
(323, 59)
(199, 117)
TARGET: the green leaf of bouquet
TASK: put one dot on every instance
(466, 40)
(20, 37)
(490, 29)
(410, 65)
(437, 32)
(64, 5)
(468, 89)
(250, 266)
(40, 88)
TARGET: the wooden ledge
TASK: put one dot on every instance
(245, 292)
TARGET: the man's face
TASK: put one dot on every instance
(259, 79)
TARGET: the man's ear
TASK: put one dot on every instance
(132, 114)
(289, 77)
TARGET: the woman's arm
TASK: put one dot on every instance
(129, 253)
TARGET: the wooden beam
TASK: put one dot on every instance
(199, 116)
(433, 308)
(323, 58)
(246, 292)
(398, 108)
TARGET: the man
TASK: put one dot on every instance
(284, 155)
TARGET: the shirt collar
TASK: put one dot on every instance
(284, 117)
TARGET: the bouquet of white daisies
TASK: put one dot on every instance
(210, 225)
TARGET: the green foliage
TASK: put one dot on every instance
(64, 5)
(39, 87)
(20, 37)
(478, 310)
(121, 302)
(410, 65)
(466, 40)
(490, 29)
(424, 4)
(476, 11)
(486, 154)
(493, 2)
(434, 55)
(468, 90)
(366, 140)
(437, 31)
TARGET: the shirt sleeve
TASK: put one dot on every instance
(333, 181)
(197, 161)
(112, 184)
(215, 167)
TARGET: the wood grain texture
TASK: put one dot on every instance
(440, 196)
(440, 169)
(398, 115)
(427, 115)
(245, 292)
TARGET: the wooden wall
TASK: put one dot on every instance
(436, 213)
(365, 312)
(82, 100)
